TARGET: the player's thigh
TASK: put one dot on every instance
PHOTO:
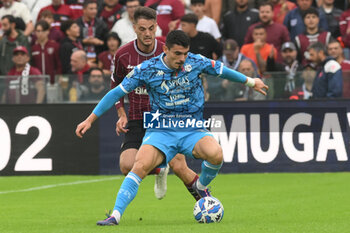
(178, 162)
(208, 148)
(147, 158)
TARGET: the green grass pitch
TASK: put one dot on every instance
(304, 202)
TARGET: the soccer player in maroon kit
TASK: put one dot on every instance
(45, 52)
(127, 57)
(23, 89)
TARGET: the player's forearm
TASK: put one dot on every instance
(109, 100)
(121, 112)
(235, 76)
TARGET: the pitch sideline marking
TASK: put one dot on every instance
(57, 185)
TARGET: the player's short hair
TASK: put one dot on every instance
(87, 2)
(145, 13)
(45, 25)
(177, 37)
(10, 18)
(266, 4)
(113, 35)
(311, 11)
(318, 47)
(197, 2)
(66, 25)
(46, 14)
(95, 68)
(190, 18)
(259, 26)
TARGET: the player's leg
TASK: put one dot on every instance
(127, 160)
(147, 158)
(208, 149)
(181, 170)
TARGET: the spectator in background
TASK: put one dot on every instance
(333, 17)
(169, 13)
(79, 64)
(61, 12)
(69, 44)
(281, 8)
(213, 9)
(259, 50)
(24, 88)
(11, 39)
(34, 6)
(305, 91)
(294, 19)
(336, 51)
(76, 7)
(236, 23)
(111, 12)
(232, 57)
(286, 83)
(96, 87)
(344, 25)
(54, 33)
(328, 82)
(205, 24)
(93, 31)
(124, 26)
(105, 58)
(312, 34)
(18, 9)
(45, 52)
(201, 42)
(277, 33)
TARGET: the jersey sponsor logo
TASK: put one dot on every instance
(141, 91)
(182, 81)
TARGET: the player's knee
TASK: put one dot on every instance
(124, 168)
(140, 169)
(178, 165)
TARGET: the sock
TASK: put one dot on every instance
(189, 185)
(126, 194)
(209, 172)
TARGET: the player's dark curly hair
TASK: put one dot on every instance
(177, 37)
(145, 13)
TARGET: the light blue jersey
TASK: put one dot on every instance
(174, 92)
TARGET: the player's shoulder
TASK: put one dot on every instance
(127, 48)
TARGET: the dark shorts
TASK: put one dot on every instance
(133, 138)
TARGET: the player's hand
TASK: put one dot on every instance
(260, 86)
(82, 128)
(121, 125)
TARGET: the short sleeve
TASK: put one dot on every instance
(210, 66)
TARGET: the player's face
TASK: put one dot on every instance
(20, 58)
(304, 4)
(175, 56)
(91, 11)
(311, 21)
(289, 56)
(146, 31)
(40, 33)
(314, 56)
(265, 14)
(335, 50)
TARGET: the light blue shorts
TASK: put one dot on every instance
(173, 142)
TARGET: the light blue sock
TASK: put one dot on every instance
(209, 172)
(127, 192)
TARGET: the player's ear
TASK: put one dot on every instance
(165, 49)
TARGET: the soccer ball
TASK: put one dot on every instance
(208, 210)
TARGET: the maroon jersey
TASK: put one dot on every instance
(303, 41)
(126, 58)
(21, 89)
(76, 7)
(60, 14)
(110, 17)
(345, 66)
(106, 58)
(47, 59)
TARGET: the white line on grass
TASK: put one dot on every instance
(57, 185)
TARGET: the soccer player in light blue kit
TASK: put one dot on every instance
(173, 83)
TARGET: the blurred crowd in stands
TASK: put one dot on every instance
(300, 48)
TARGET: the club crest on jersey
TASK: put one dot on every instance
(50, 50)
(188, 68)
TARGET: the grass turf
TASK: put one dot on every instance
(314, 202)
